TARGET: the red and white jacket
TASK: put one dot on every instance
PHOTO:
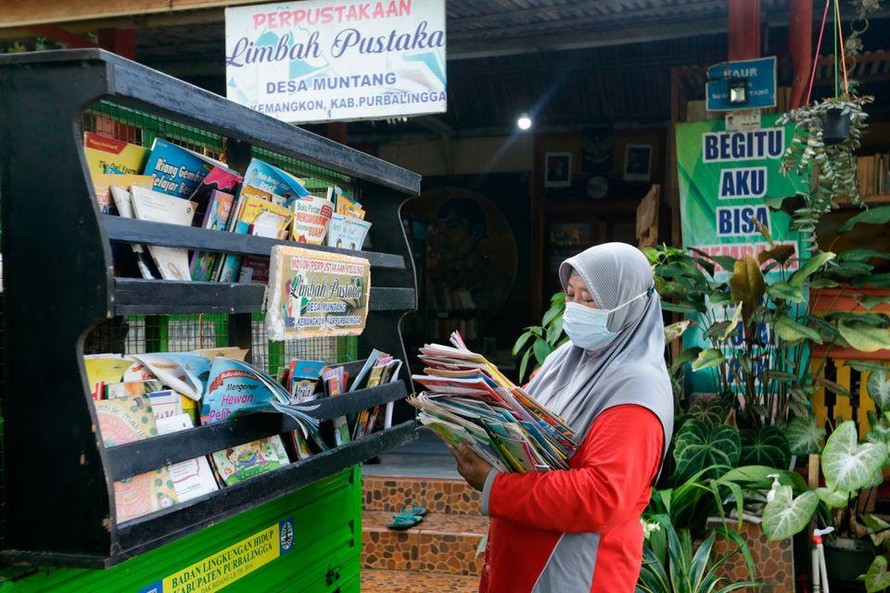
(576, 530)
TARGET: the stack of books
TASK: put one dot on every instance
(468, 400)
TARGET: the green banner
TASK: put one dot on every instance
(725, 180)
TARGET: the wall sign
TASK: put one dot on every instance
(221, 569)
(760, 76)
(314, 293)
(327, 60)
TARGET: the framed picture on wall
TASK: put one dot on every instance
(558, 169)
(638, 162)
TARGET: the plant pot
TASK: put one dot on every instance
(845, 559)
(835, 126)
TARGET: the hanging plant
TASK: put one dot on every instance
(827, 135)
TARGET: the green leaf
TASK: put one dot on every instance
(764, 446)
(804, 435)
(867, 366)
(707, 359)
(880, 215)
(680, 307)
(862, 255)
(724, 261)
(863, 337)
(780, 253)
(833, 499)
(878, 387)
(554, 331)
(521, 341)
(698, 446)
(712, 411)
(786, 292)
(811, 266)
(676, 330)
(873, 301)
(792, 331)
(542, 350)
(551, 314)
(746, 285)
(784, 516)
(877, 578)
(523, 365)
(848, 465)
(684, 357)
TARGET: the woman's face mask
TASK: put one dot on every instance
(588, 327)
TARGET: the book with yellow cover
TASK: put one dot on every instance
(108, 155)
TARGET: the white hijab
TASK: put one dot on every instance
(580, 384)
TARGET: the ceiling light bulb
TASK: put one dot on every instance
(524, 122)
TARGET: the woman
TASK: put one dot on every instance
(578, 530)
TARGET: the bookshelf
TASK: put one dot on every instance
(60, 284)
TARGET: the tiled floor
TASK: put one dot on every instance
(396, 581)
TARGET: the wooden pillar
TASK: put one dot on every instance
(800, 41)
(744, 29)
(120, 41)
(337, 131)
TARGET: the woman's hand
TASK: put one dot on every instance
(473, 468)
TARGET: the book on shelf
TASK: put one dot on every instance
(258, 217)
(103, 183)
(126, 420)
(220, 180)
(379, 368)
(191, 478)
(241, 462)
(172, 262)
(123, 201)
(344, 204)
(312, 217)
(282, 187)
(334, 379)
(216, 217)
(468, 400)
(178, 171)
(347, 232)
(106, 155)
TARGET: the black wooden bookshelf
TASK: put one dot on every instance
(59, 284)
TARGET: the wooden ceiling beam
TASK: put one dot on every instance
(152, 21)
(26, 13)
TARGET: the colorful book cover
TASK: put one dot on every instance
(131, 388)
(242, 462)
(257, 217)
(347, 232)
(304, 378)
(103, 369)
(215, 218)
(192, 478)
(236, 387)
(334, 381)
(177, 171)
(312, 215)
(184, 373)
(272, 180)
(109, 155)
(220, 179)
(165, 404)
(125, 420)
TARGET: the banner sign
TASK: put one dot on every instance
(759, 76)
(725, 179)
(314, 293)
(227, 566)
(337, 60)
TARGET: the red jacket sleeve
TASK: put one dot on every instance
(611, 471)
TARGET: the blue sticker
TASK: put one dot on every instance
(285, 536)
(153, 588)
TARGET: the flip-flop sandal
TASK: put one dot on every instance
(413, 510)
(402, 522)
